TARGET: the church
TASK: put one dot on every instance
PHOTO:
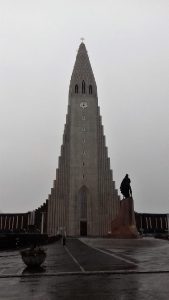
(83, 200)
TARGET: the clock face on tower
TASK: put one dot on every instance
(83, 105)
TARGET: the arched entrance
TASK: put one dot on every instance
(83, 210)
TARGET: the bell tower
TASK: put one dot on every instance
(83, 200)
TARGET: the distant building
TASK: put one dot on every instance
(34, 221)
(152, 223)
(13, 222)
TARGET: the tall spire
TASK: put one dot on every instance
(82, 72)
(83, 200)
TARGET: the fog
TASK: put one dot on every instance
(128, 47)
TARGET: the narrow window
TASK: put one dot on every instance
(83, 87)
(83, 118)
(90, 89)
(76, 89)
(83, 163)
(83, 129)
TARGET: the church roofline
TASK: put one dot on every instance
(82, 79)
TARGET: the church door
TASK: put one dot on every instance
(83, 228)
(83, 210)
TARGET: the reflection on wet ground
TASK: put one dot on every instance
(33, 271)
(95, 287)
(90, 269)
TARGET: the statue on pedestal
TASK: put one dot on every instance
(124, 225)
(125, 187)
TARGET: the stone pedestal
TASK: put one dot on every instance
(124, 226)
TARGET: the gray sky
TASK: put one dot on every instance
(128, 46)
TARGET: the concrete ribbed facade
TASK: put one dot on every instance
(83, 199)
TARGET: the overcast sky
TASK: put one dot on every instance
(128, 46)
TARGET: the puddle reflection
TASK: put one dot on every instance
(31, 270)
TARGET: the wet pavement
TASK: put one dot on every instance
(90, 269)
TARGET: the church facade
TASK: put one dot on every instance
(83, 200)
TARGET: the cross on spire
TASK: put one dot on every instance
(82, 39)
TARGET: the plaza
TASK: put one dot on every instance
(90, 268)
